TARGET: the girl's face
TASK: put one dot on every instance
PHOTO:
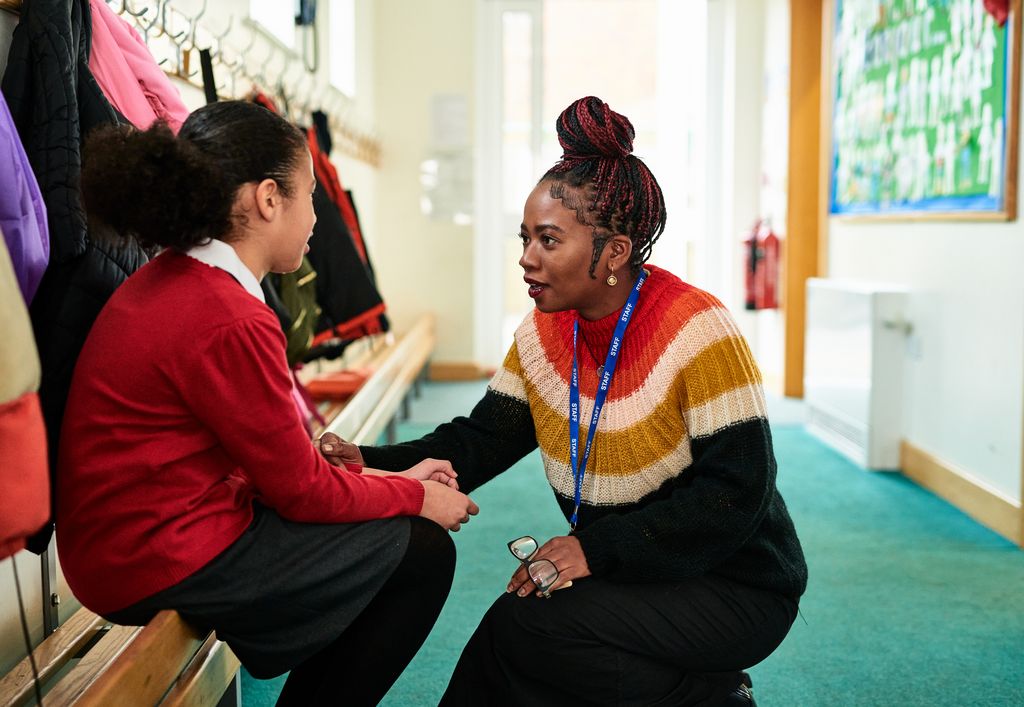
(557, 251)
(295, 226)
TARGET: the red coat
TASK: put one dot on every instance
(24, 479)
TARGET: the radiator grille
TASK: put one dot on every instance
(844, 435)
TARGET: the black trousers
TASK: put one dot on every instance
(362, 664)
(600, 643)
(344, 607)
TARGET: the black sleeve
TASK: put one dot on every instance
(498, 433)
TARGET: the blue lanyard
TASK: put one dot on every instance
(580, 468)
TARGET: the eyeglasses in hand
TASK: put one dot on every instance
(543, 572)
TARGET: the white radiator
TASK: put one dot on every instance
(853, 368)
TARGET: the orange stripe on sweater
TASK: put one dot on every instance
(646, 341)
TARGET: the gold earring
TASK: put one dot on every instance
(612, 280)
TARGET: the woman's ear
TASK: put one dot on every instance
(620, 248)
(268, 199)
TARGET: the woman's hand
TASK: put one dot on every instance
(446, 506)
(337, 451)
(439, 470)
(567, 555)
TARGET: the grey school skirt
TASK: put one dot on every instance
(283, 590)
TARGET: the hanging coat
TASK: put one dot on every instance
(55, 101)
(22, 213)
(129, 76)
(360, 310)
(24, 486)
(320, 149)
(349, 302)
(385, 325)
(297, 294)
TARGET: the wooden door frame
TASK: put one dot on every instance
(805, 250)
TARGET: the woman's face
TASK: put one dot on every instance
(295, 227)
(557, 251)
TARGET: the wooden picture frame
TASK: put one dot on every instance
(923, 110)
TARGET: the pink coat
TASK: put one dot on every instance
(128, 74)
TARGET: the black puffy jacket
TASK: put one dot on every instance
(55, 102)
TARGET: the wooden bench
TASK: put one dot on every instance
(87, 661)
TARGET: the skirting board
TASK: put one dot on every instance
(451, 371)
(942, 478)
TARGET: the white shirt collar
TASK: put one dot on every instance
(219, 254)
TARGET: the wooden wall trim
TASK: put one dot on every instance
(955, 485)
(455, 371)
(803, 211)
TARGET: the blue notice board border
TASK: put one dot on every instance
(907, 142)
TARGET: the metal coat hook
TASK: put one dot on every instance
(342, 111)
(285, 82)
(163, 23)
(289, 99)
(185, 55)
(233, 68)
(306, 93)
(194, 25)
(251, 44)
(182, 55)
(243, 55)
(126, 9)
(261, 76)
(218, 39)
(145, 27)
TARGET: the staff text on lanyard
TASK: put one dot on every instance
(579, 466)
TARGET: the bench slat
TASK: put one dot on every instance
(206, 678)
(51, 655)
(71, 686)
(147, 666)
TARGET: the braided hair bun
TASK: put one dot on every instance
(590, 128)
(600, 179)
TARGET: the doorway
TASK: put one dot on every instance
(644, 58)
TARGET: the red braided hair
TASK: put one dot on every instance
(609, 188)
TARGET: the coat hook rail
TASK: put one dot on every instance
(355, 143)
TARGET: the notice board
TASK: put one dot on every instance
(924, 110)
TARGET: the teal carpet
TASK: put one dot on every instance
(910, 601)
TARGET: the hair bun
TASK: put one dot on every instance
(588, 128)
(154, 186)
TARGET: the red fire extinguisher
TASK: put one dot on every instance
(761, 267)
(750, 267)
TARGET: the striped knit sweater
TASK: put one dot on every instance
(681, 476)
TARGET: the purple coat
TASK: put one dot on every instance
(22, 213)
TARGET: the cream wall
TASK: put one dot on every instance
(964, 361)
(420, 50)
(965, 358)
